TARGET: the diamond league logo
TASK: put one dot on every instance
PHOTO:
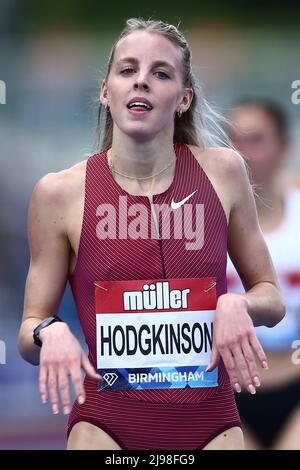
(110, 378)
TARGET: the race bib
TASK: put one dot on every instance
(154, 334)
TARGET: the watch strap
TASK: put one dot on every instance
(46, 322)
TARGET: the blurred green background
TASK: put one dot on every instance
(92, 15)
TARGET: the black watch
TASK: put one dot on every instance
(36, 332)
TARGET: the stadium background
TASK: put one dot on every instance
(52, 57)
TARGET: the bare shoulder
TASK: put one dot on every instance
(60, 188)
(227, 173)
(54, 199)
(220, 161)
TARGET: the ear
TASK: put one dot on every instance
(104, 94)
(187, 99)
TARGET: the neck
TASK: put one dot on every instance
(142, 159)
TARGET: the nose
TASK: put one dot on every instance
(141, 82)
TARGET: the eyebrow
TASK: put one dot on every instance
(156, 63)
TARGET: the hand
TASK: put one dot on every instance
(62, 356)
(234, 338)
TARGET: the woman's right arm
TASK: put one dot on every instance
(61, 354)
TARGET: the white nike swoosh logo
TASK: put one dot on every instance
(176, 205)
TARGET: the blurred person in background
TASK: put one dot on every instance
(259, 130)
(150, 151)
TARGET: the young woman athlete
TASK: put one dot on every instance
(151, 156)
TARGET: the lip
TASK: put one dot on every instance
(141, 100)
(138, 112)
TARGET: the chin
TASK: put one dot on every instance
(140, 135)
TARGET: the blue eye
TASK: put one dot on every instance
(163, 73)
(128, 69)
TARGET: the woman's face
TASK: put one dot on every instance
(255, 135)
(146, 65)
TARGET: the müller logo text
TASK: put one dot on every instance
(156, 296)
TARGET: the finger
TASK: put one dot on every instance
(231, 368)
(215, 358)
(52, 385)
(259, 351)
(75, 372)
(242, 367)
(63, 385)
(89, 369)
(42, 383)
(251, 362)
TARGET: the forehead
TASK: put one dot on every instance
(144, 45)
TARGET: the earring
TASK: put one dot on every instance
(179, 114)
(107, 108)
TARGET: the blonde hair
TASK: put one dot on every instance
(200, 125)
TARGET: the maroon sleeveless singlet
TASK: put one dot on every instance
(162, 418)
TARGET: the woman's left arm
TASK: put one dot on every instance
(249, 253)
(262, 303)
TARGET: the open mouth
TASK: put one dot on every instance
(139, 106)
